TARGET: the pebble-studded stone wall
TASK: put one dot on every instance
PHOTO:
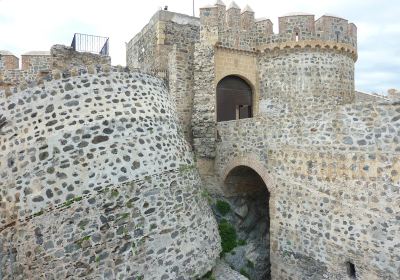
(40, 66)
(8, 61)
(64, 58)
(242, 30)
(97, 182)
(335, 197)
(369, 98)
(319, 68)
(331, 165)
(149, 49)
(165, 46)
(36, 63)
(302, 79)
(180, 82)
(203, 119)
(307, 64)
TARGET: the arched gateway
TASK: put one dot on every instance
(245, 181)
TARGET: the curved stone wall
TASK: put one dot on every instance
(97, 181)
(298, 79)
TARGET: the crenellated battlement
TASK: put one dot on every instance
(40, 66)
(235, 28)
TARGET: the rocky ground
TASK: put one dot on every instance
(244, 228)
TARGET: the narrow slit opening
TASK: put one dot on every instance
(351, 270)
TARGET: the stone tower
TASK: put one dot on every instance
(308, 64)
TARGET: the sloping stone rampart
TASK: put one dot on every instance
(97, 182)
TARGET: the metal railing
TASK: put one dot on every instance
(90, 43)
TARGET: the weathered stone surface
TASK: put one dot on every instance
(96, 198)
(222, 271)
(102, 185)
(330, 164)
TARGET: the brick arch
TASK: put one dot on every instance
(254, 163)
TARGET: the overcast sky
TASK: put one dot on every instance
(27, 25)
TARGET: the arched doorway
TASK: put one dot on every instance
(249, 195)
(234, 99)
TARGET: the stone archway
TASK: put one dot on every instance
(247, 183)
(252, 161)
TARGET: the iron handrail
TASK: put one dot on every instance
(90, 43)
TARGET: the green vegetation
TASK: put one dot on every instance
(241, 242)
(208, 276)
(37, 214)
(123, 216)
(80, 241)
(206, 195)
(287, 253)
(244, 273)
(147, 179)
(82, 224)
(228, 236)
(129, 204)
(186, 167)
(153, 226)
(250, 264)
(223, 207)
(114, 193)
(71, 201)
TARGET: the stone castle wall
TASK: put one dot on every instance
(149, 49)
(39, 66)
(36, 62)
(301, 79)
(165, 48)
(64, 58)
(306, 65)
(334, 184)
(235, 29)
(203, 118)
(8, 61)
(367, 97)
(180, 84)
(98, 182)
(289, 54)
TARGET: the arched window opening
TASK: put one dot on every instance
(297, 36)
(234, 99)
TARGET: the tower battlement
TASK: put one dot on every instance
(235, 28)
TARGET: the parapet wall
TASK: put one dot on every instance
(236, 29)
(8, 61)
(39, 66)
(36, 61)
